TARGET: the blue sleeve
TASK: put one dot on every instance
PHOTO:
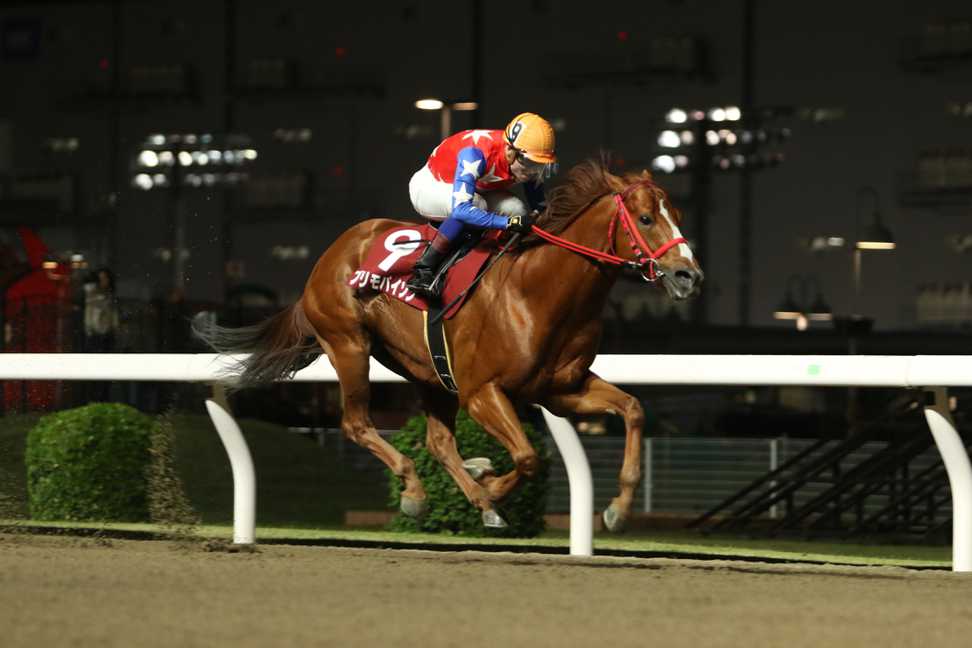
(471, 164)
(535, 195)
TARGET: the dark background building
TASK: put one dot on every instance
(207, 153)
(871, 94)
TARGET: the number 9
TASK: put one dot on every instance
(400, 248)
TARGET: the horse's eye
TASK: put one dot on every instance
(646, 219)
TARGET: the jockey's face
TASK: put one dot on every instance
(522, 168)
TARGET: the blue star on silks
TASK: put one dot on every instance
(461, 195)
(470, 168)
(469, 162)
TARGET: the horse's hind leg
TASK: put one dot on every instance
(597, 396)
(440, 413)
(491, 408)
(350, 360)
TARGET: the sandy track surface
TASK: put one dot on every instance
(60, 591)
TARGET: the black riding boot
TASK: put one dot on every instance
(423, 274)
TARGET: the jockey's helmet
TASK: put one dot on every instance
(533, 137)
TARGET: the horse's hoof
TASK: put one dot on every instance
(613, 521)
(414, 508)
(492, 520)
(478, 466)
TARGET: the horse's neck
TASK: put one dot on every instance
(580, 283)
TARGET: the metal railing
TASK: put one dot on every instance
(929, 373)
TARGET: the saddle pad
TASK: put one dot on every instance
(388, 266)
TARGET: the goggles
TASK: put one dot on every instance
(539, 170)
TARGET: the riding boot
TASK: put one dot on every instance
(423, 274)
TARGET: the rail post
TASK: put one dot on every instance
(959, 474)
(241, 463)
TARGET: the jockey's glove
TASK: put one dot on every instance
(521, 224)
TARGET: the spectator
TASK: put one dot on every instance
(100, 312)
(100, 324)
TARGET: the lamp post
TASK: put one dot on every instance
(445, 108)
(796, 305)
(876, 236)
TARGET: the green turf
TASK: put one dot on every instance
(668, 542)
(13, 476)
(303, 491)
(298, 482)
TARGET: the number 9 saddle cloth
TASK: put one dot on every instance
(388, 264)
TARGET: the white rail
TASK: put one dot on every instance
(931, 373)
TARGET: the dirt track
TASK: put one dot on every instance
(69, 591)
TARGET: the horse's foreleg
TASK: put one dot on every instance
(491, 408)
(440, 412)
(600, 397)
(350, 360)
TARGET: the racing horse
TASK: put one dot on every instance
(528, 333)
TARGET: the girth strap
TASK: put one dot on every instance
(435, 342)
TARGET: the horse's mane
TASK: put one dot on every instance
(585, 183)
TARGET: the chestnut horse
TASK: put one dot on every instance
(527, 334)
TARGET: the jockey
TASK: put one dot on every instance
(464, 185)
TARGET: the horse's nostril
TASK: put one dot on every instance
(686, 277)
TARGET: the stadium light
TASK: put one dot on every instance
(664, 163)
(446, 108)
(148, 159)
(676, 116)
(429, 104)
(183, 154)
(669, 139)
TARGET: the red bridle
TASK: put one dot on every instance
(645, 257)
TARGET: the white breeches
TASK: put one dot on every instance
(433, 199)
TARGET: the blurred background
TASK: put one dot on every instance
(162, 160)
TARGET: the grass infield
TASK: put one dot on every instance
(300, 486)
(671, 544)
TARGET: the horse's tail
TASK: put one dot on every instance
(278, 347)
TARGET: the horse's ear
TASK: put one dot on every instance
(646, 174)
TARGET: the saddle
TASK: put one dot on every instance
(388, 264)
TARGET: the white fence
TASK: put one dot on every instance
(930, 373)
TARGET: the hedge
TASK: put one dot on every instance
(90, 464)
(449, 510)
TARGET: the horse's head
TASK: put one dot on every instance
(646, 213)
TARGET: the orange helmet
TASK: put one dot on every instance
(532, 136)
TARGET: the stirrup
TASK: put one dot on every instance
(423, 284)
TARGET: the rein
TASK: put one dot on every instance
(646, 259)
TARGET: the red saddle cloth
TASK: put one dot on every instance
(388, 266)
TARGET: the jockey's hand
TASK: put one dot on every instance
(521, 224)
